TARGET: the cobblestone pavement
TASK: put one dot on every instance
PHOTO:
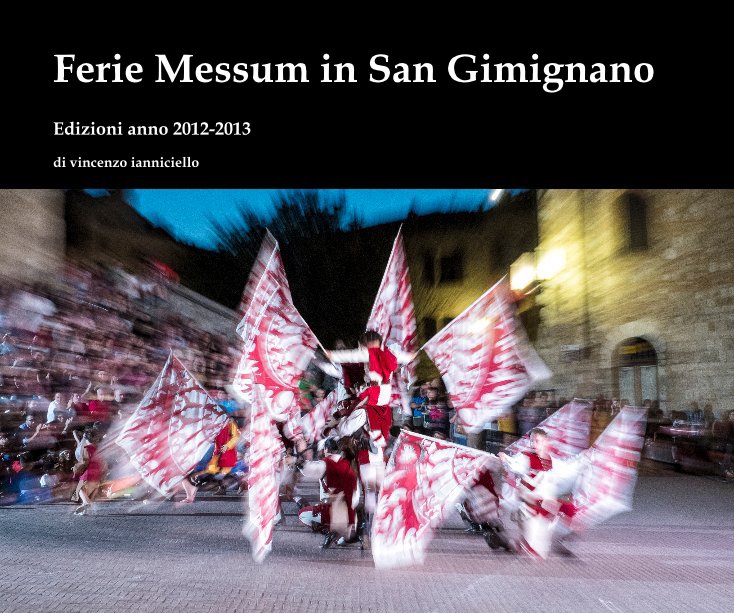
(673, 552)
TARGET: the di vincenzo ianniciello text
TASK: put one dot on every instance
(463, 68)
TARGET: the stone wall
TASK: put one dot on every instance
(208, 315)
(32, 247)
(488, 242)
(678, 294)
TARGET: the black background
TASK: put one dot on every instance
(673, 131)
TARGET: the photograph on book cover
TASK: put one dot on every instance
(490, 385)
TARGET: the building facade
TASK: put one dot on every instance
(641, 303)
(34, 239)
(455, 257)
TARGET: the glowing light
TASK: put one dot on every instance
(494, 196)
(551, 263)
(522, 272)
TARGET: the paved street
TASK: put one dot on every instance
(674, 552)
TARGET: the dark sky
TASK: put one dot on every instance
(187, 212)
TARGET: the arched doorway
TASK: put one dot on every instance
(635, 371)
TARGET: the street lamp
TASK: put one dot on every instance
(523, 272)
(534, 267)
(550, 263)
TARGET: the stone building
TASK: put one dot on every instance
(32, 248)
(640, 304)
(45, 227)
(455, 257)
(106, 229)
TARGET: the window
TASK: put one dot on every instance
(635, 372)
(429, 328)
(452, 267)
(635, 215)
(498, 255)
(429, 274)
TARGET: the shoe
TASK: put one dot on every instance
(300, 502)
(493, 540)
(472, 527)
(82, 510)
(348, 541)
(328, 539)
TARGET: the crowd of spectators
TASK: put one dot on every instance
(78, 354)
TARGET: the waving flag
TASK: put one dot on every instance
(278, 344)
(608, 479)
(172, 428)
(264, 461)
(424, 478)
(485, 359)
(312, 423)
(567, 429)
(568, 435)
(393, 317)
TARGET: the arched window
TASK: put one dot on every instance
(635, 371)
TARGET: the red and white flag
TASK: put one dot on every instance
(172, 428)
(567, 430)
(485, 359)
(424, 478)
(608, 478)
(278, 343)
(393, 317)
(263, 480)
(313, 422)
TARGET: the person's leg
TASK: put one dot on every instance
(75, 497)
(85, 494)
(190, 489)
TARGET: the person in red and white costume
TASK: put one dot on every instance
(541, 480)
(373, 413)
(350, 375)
(337, 516)
(380, 362)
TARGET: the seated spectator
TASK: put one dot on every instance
(221, 397)
(708, 415)
(28, 423)
(55, 408)
(436, 415)
(99, 409)
(417, 404)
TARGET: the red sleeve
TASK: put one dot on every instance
(372, 394)
(390, 361)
